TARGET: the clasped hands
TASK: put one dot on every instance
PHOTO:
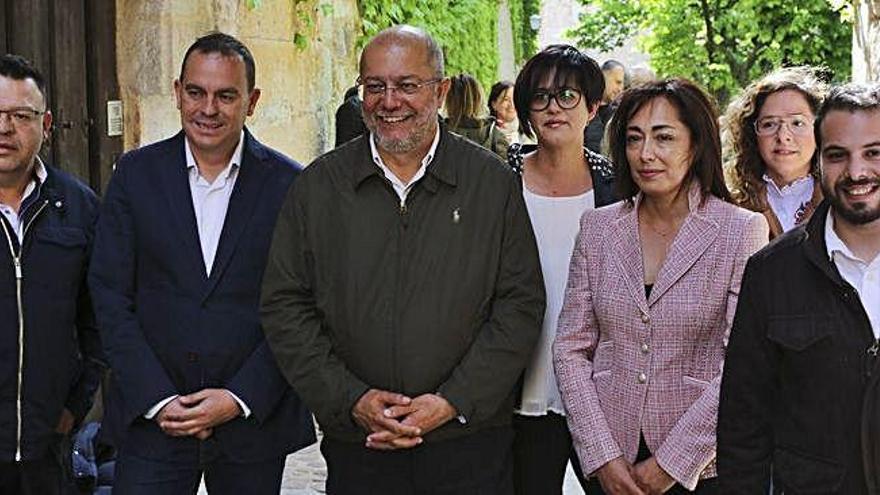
(618, 477)
(395, 421)
(198, 413)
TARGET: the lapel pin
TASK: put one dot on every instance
(456, 216)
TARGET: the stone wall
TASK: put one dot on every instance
(301, 88)
(866, 41)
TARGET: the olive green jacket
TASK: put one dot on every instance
(442, 294)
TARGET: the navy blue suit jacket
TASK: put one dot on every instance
(167, 328)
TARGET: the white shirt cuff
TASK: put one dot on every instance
(153, 411)
(245, 410)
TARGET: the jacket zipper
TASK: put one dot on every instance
(19, 277)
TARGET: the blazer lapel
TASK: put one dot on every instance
(252, 175)
(696, 234)
(175, 183)
(626, 251)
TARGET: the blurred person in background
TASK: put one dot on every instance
(464, 115)
(615, 76)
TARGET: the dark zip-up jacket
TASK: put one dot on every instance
(440, 294)
(60, 356)
(795, 374)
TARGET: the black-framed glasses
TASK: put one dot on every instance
(21, 115)
(800, 125)
(375, 88)
(566, 98)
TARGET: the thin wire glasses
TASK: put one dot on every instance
(799, 125)
(21, 115)
(375, 88)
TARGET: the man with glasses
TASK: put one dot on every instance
(50, 352)
(403, 294)
(801, 387)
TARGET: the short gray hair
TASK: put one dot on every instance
(404, 34)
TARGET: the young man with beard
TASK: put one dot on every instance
(403, 294)
(804, 345)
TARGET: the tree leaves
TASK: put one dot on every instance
(722, 44)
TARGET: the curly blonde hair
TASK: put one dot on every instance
(743, 165)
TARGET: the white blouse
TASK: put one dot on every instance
(556, 221)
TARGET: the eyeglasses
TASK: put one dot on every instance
(407, 88)
(798, 125)
(566, 98)
(21, 115)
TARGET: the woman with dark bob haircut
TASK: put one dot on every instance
(556, 95)
(652, 289)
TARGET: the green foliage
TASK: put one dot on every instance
(525, 38)
(722, 44)
(466, 29)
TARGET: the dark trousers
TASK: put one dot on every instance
(541, 450)
(37, 477)
(704, 487)
(478, 464)
(139, 476)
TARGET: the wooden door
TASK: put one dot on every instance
(72, 42)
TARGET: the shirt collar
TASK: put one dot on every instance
(834, 244)
(234, 162)
(797, 186)
(428, 158)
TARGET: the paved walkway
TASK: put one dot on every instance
(305, 471)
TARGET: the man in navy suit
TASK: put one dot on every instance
(179, 256)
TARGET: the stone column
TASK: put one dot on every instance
(866, 41)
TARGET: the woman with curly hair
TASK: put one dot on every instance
(770, 147)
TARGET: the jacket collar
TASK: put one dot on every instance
(814, 244)
(252, 175)
(695, 235)
(441, 167)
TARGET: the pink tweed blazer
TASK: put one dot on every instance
(626, 364)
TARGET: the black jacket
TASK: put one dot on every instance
(62, 358)
(795, 374)
(440, 295)
(601, 171)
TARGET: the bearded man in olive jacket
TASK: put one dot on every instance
(403, 294)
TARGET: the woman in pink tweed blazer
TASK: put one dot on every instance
(651, 293)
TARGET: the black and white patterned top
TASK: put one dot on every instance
(601, 170)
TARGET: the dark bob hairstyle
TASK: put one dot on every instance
(569, 66)
(696, 110)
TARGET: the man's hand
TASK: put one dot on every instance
(652, 479)
(373, 413)
(197, 414)
(426, 413)
(65, 422)
(617, 479)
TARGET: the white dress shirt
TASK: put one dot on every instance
(210, 204)
(10, 213)
(790, 202)
(863, 275)
(400, 188)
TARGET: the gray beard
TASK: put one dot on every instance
(404, 145)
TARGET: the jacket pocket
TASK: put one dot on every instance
(797, 333)
(803, 474)
(62, 236)
(602, 358)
